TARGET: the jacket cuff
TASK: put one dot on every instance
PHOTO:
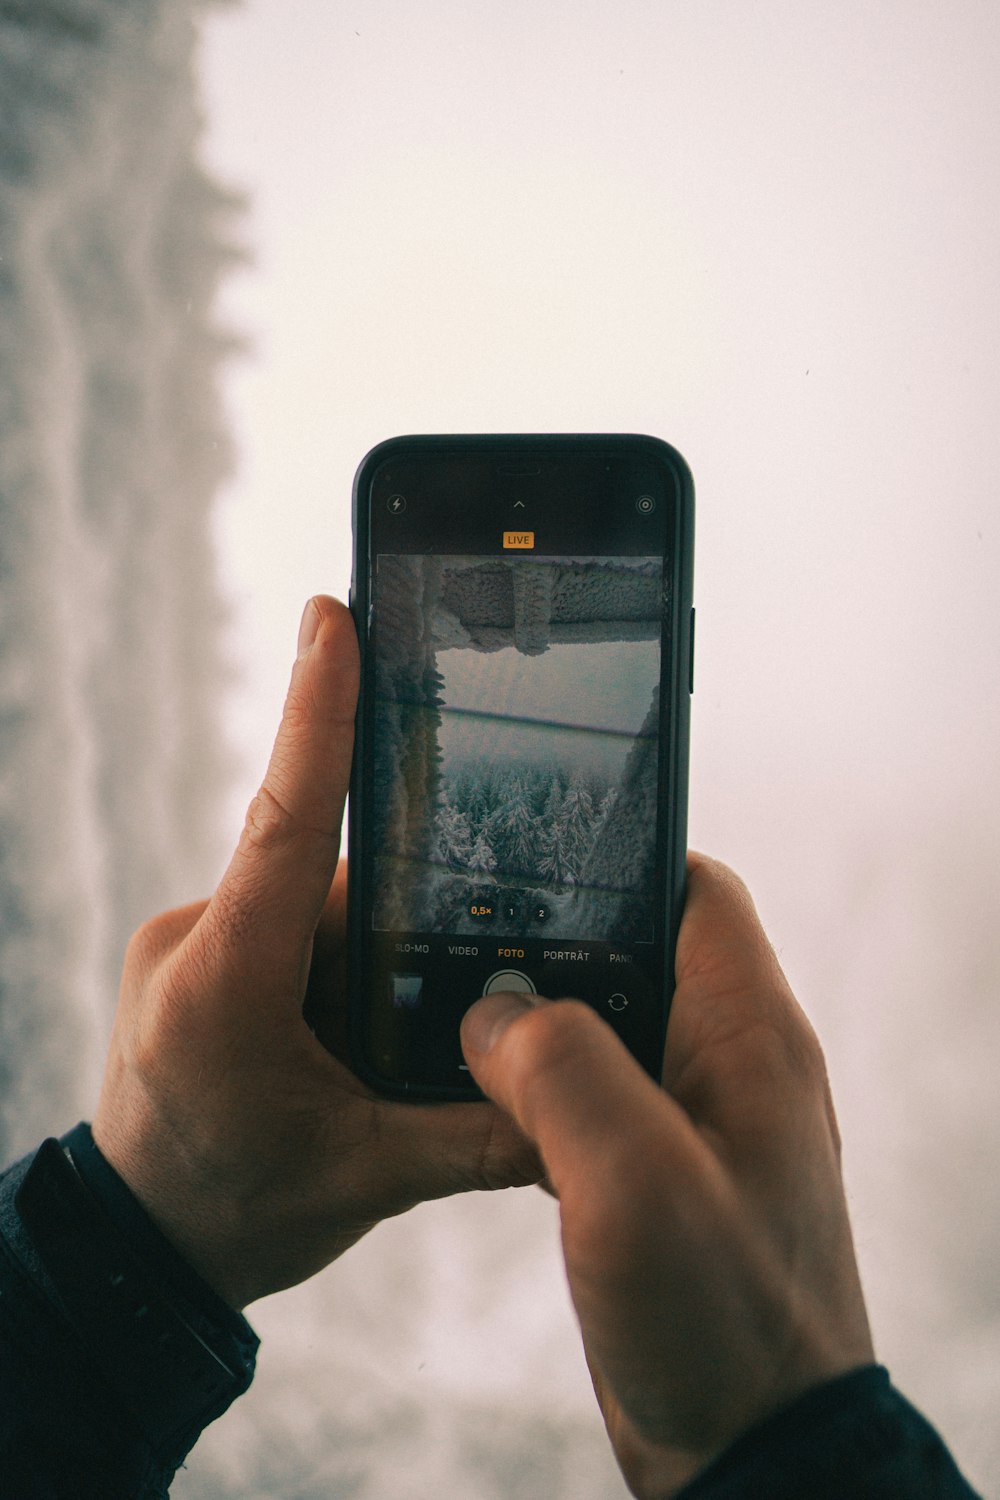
(172, 1354)
(855, 1435)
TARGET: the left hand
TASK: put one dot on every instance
(260, 1155)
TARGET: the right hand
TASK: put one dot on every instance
(704, 1224)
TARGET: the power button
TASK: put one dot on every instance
(691, 654)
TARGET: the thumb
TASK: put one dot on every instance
(269, 900)
(570, 1084)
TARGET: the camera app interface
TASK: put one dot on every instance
(515, 747)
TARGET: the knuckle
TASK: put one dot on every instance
(805, 1054)
(141, 947)
(501, 1157)
(150, 943)
(268, 821)
(789, 1057)
(271, 821)
(808, 1060)
(506, 1158)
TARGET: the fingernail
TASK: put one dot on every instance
(308, 627)
(486, 1021)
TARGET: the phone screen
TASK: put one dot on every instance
(519, 790)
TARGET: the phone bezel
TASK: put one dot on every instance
(524, 448)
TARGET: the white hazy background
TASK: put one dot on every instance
(769, 234)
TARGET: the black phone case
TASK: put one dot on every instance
(680, 685)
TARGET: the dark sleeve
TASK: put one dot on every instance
(854, 1437)
(114, 1354)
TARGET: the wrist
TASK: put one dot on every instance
(146, 1230)
(190, 1223)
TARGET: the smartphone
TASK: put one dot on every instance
(518, 805)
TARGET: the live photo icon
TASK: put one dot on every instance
(518, 539)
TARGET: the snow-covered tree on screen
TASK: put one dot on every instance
(553, 863)
(454, 837)
(578, 824)
(482, 861)
(514, 831)
(607, 805)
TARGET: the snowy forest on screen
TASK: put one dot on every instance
(516, 746)
(524, 832)
(527, 834)
(512, 824)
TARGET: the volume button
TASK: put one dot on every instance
(691, 654)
